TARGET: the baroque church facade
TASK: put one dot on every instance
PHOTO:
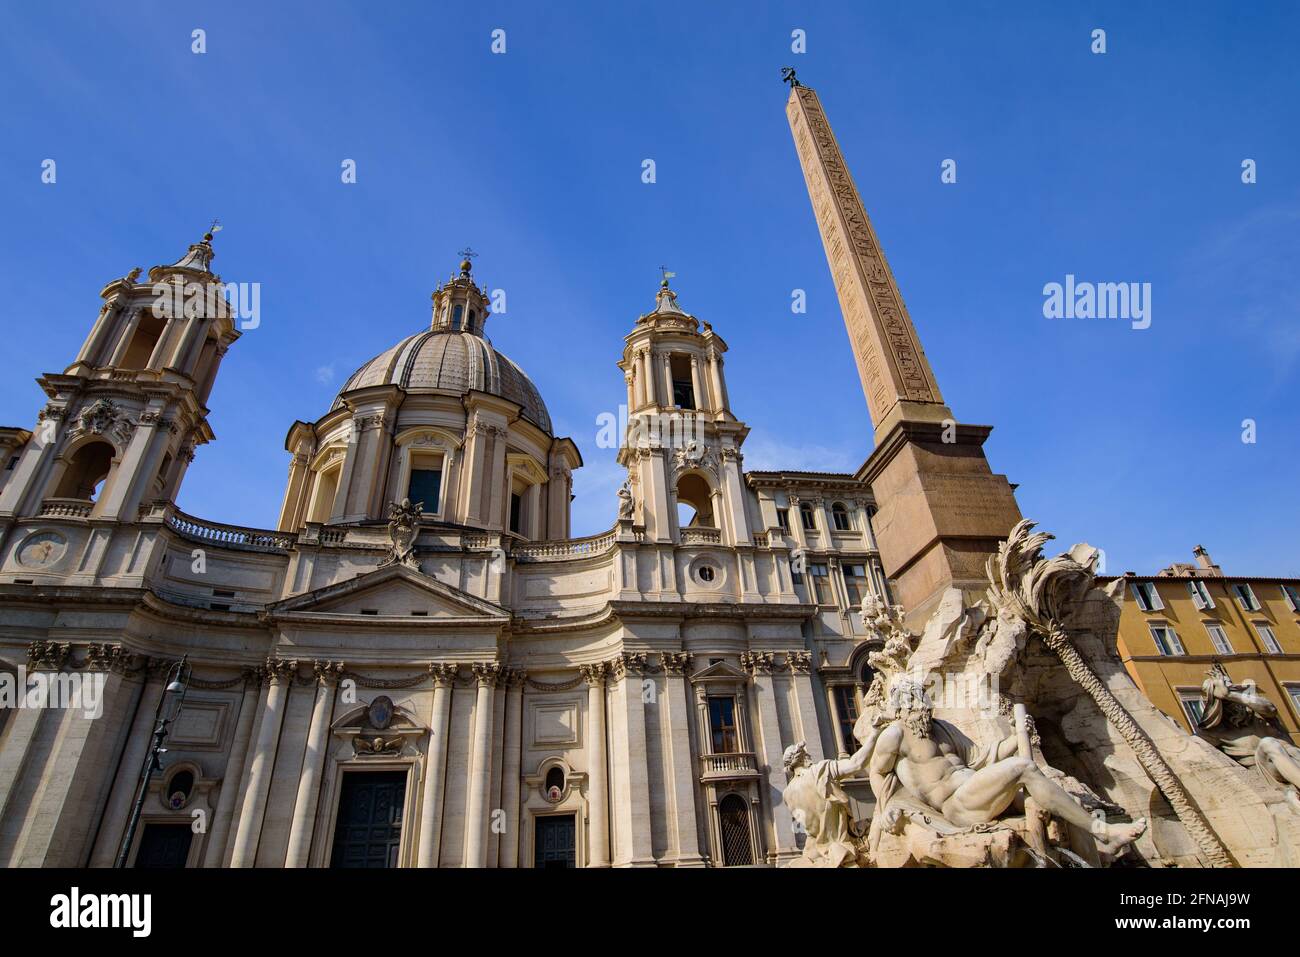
(419, 666)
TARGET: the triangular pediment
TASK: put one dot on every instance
(722, 671)
(395, 592)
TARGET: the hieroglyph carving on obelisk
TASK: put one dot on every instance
(890, 360)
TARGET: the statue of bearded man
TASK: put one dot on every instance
(819, 805)
(932, 761)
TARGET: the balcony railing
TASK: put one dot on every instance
(66, 508)
(738, 764)
(701, 535)
(230, 536)
(565, 550)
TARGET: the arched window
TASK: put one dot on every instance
(86, 471)
(694, 493)
(840, 515)
(806, 516)
(733, 823)
(555, 784)
(179, 788)
(456, 314)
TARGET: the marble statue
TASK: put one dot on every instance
(933, 763)
(820, 807)
(626, 504)
(1243, 724)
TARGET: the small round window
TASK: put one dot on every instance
(706, 573)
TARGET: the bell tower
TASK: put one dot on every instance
(123, 420)
(942, 510)
(682, 445)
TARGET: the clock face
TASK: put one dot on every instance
(42, 549)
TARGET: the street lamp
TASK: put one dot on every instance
(172, 700)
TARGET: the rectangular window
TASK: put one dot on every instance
(679, 370)
(1219, 637)
(840, 516)
(1246, 596)
(1292, 595)
(846, 703)
(821, 577)
(1293, 692)
(783, 519)
(516, 512)
(1166, 640)
(806, 515)
(722, 725)
(683, 395)
(1191, 702)
(1200, 594)
(425, 483)
(855, 583)
(1266, 635)
(1148, 598)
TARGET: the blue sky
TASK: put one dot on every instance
(1122, 167)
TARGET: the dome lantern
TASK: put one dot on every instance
(459, 305)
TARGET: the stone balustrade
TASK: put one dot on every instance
(66, 508)
(229, 536)
(701, 535)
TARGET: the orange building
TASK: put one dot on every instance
(1176, 624)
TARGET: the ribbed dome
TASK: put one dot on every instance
(444, 361)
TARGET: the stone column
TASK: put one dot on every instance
(800, 663)
(597, 770)
(139, 737)
(435, 765)
(128, 328)
(486, 674)
(683, 769)
(304, 808)
(634, 801)
(225, 812)
(19, 732)
(759, 665)
(697, 385)
(510, 768)
(280, 675)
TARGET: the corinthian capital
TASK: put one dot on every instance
(443, 674)
(486, 673)
(280, 669)
(674, 662)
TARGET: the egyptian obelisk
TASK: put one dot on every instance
(942, 510)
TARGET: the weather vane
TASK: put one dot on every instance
(667, 274)
(214, 229)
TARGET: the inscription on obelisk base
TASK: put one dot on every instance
(942, 510)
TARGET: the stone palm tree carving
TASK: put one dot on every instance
(1040, 591)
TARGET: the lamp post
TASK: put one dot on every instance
(171, 702)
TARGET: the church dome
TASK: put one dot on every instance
(445, 360)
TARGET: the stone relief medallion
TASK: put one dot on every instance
(42, 549)
(380, 713)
